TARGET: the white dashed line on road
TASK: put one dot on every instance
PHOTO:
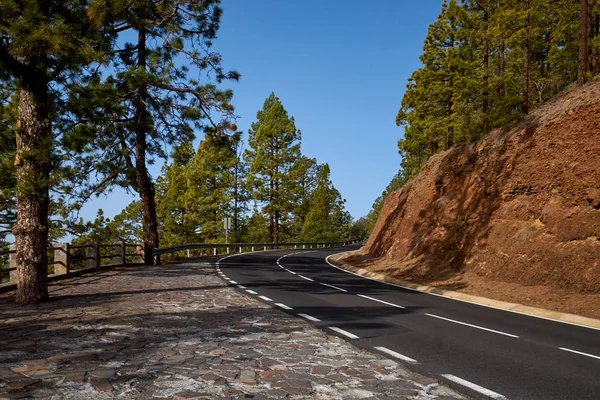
(265, 298)
(343, 332)
(308, 317)
(380, 301)
(473, 386)
(283, 306)
(580, 353)
(472, 326)
(232, 281)
(241, 286)
(333, 287)
(251, 291)
(396, 355)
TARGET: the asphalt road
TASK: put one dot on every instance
(482, 351)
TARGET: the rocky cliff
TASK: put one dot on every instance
(519, 209)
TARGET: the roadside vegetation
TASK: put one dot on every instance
(486, 63)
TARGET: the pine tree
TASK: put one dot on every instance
(43, 47)
(326, 219)
(274, 147)
(153, 100)
(211, 183)
(173, 211)
(304, 172)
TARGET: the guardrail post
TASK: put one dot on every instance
(93, 252)
(253, 249)
(214, 251)
(265, 248)
(188, 253)
(227, 249)
(61, 258)
(240, 249)
(12, 263)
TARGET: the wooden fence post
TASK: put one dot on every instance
(61, 258)
(93, 252)
(139, 250)
(120, 259)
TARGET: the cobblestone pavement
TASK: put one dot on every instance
(178, 332)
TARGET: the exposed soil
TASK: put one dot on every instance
(514, 216)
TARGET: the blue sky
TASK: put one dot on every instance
(339, 67)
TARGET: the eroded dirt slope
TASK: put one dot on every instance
(515, 216)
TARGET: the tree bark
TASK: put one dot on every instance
(145, 185)
(33, 139)
(583, 42)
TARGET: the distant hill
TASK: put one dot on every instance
(514, 216)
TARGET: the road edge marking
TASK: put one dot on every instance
(473, 386)
(396, 354)
(528, 311)
(343, 332)
(308, 317)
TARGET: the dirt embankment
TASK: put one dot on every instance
(514, 216)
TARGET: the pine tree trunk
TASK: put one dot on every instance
(500, 69)
(145, 186)
(583, 42)
(276, 214)
(33, 139)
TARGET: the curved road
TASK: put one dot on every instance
(482, 351)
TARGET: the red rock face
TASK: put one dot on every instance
(517, 206)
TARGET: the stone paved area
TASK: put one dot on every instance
(178, 332)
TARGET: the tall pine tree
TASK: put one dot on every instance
(154, 97)
(327, 219)
(43, 48)
(274, 148)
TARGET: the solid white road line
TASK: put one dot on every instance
(333, 287)
(308, 317)
(579, 352)
(472, 386)
(472, 326)
(304, 277)
(451, 298)
(283, 306)
(292, 272)
(396, 355)
(343, 332)
(265, 298)
(251, 291)
(241, 286)
(380, 301)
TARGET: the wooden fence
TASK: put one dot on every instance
(64, 258)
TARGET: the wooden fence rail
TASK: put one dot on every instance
(64, 258)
